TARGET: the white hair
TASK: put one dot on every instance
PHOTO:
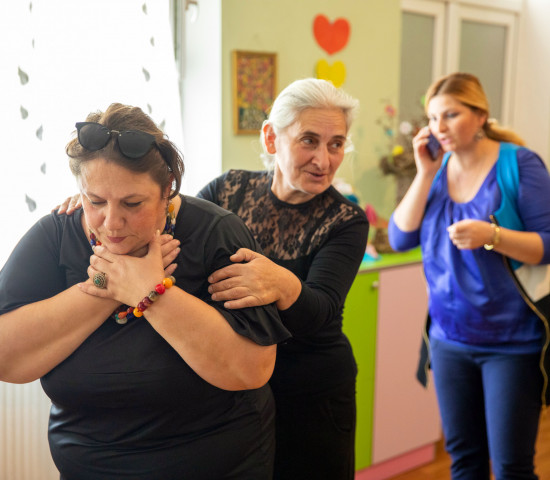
(301, 95)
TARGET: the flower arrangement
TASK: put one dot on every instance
(398, 156)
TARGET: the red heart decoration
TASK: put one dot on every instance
(331, 37)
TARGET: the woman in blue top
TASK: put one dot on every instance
(485, 341)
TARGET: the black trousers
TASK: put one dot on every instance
(315, 437)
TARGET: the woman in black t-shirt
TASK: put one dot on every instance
(161, 385)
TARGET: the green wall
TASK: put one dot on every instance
(371, 58)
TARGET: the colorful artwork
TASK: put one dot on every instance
(254, 88)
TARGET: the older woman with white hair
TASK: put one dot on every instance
(313, 240)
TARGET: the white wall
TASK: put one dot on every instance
(532, 99)
(202, 97)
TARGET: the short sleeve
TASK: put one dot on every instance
(32, 271)
(260, 324)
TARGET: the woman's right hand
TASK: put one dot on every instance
(424, 161)
(69, 206)
(252, 280)
(127, 275)
(409, 213)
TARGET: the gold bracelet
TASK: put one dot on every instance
(496, 238)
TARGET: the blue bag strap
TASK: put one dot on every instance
(507, 214)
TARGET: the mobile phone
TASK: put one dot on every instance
(433, 146)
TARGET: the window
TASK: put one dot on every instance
(63, 60)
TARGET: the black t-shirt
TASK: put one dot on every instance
(125, 404)
(322, 241)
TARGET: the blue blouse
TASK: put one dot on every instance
(472, 298)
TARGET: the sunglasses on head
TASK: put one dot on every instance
(132, 143)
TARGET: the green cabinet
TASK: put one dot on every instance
(360, 327)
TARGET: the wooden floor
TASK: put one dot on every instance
(439, 469)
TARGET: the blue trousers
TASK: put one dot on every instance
(490, 406)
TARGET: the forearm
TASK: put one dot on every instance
(37, 337)
(208, 344)
(410, 211)
(329, 278)
(289, 286)
(525, 247)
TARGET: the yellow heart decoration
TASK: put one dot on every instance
(335, 73)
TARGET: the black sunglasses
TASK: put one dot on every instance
(132, 143)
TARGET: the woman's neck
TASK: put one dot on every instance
(467, 170)
(482, 151)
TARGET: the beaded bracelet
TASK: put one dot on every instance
(127, 313)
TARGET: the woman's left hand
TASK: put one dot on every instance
(70, 205)
(129, 278)
(469, 234)
(253, 280)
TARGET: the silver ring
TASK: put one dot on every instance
(100, 280)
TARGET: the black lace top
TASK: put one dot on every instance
(322, 242)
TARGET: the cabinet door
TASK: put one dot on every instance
(445, 36)
(360, 327)
(406, 416)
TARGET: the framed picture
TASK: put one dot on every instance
(254, 88)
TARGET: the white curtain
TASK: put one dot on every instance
(60, 60)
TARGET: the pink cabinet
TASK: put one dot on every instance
(405, 417)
